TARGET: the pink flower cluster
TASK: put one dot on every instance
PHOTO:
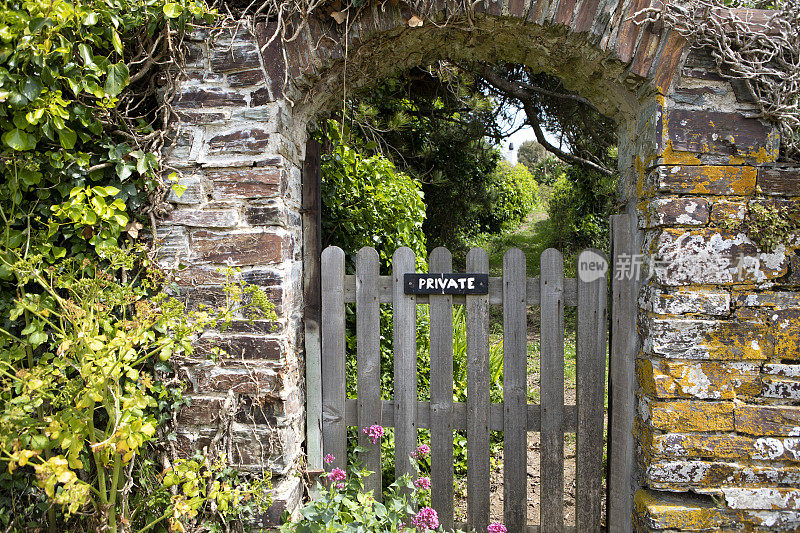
(374, 432)
(426, 519)
(337, 474)
(329, 459)
(423, 483)
(422, 451)
(496, 527)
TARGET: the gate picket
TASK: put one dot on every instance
(369, 362)
(590, 384)
(551, 382)
(515, 410)
(515, 417)
(441, 310)
(478, 505)
(334, 429)
(405, 363)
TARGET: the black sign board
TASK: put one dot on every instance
(446, 283)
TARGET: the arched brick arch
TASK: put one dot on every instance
(691, 156)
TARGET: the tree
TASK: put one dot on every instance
(433, 124)
(530, 153)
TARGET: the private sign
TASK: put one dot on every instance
(446, 283)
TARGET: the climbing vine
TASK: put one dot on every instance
(763, 51)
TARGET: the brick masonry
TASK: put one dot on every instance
(717, 431)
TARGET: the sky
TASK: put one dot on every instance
(525, 134)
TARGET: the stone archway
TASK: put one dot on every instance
(689, 158)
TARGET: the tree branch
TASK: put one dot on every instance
(520, 93)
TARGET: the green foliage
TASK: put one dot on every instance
(530, 153)
(86, 330)
(769, 225)
(433, 124)
(78, 395)
(512, 193)
(343, 506)
(579, 210)
(366, 201)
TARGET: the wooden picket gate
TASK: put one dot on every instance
(515, 416)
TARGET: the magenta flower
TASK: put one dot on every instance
(329, 459)
(337, 474)
(340, 486)
(374, 432)
(422, 451)
(423, 483)
(426, 519)
(496, 527)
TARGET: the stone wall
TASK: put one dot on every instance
(241, 208)
(718, 439)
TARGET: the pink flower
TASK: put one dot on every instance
(426, 519)
(337, 474)
(422, 451)
(340, 486)
(423, 483)
(329, 459)
(374, 432)
(496, 527)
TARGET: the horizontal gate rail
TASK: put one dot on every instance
(570, 295)
(515, 417)
(533, 418)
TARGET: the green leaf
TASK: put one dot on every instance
(67, 137)
(86, 54)
(179, 189)
(117, 42)
(172, 10)
(91, 19)
(32, 88)
(37, 337)
(118, 77)
(19, 140)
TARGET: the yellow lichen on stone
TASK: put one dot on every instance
(682, 512)
(694, 379)
(692, 416)
(671, 156)
(694, 446)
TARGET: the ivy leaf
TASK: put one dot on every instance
(19, 140)
(117, 42)
(172, 10)
(86, 54)
(118, 77)
(67, 138)
(32, 88)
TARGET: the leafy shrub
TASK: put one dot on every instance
(366, 201)
(79, 398)
(343, 506)
(579, 209)
(513, 192)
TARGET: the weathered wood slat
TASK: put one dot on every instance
(624, 340)
(334, 429)
(515, 440)
(441, 336)
(495, 291)
(405, 363)
(552, 391)
(478, 504)
(312, 311)
(590, 377)
(533, 418)
(368, 346)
